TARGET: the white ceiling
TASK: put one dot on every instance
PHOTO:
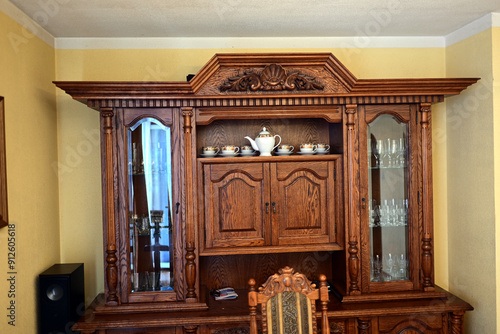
(253, 18)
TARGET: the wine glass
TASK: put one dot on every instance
(403, 267)
(378, 150)
(389, 261)
(376, 268)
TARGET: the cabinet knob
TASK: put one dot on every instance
(274, 207)
(364, 203)
(177, 207)
(267, 207)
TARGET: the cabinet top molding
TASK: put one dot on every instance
(270, 77)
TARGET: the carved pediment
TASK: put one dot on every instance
(259, 74)
(273, 77)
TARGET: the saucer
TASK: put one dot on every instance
(248, 154)
(306, 153)
(228, 154)
(208, 155)
(283, 153)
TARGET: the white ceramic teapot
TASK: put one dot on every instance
(264, 143)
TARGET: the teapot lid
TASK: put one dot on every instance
(264, 133)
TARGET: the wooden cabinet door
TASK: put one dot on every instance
(234, 203)
(303, 202)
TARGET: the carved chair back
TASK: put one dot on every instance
(288, 304)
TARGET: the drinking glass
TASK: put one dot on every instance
(403, 267)
(389, 261)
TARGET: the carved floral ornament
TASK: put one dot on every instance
(272, 78)
(286, 280)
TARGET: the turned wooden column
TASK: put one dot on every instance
(352, 211)
(457, 322)
(426, 198)
(187, 114)
(364, 326)
(324, 298)
(190, 329)
(107, 115)
(253, 302)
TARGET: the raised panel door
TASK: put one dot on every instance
(234, 202)
(303, 202)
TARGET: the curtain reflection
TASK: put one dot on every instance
(150, 195)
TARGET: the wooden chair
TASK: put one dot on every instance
(288, 304)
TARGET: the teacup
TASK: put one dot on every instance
(230, 149)
(210, 150)
(285, 148)
(308, 147)
(323, 147)
(247, 149)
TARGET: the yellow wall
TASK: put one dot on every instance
(27, 67)
(496, 120)
(471, 175)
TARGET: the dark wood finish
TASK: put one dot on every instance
(352, 194)
(287, 280)
(249, 205)
(304, 202)
(456, 322)
(4, 216)
(427, 226)
(319, 220)
(364, 325)
(111, 258)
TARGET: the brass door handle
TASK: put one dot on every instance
(274, 207)
(267, 207)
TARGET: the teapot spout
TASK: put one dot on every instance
(253, 143)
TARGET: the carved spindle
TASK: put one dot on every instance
(190, 273)
(364, 326)
(323, 290)
(190, 329)
(427, 260)
(353, 260)
(187, 114)
(111, 258)
(457, 323)
(252, 302)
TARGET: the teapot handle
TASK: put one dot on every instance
(278, 142)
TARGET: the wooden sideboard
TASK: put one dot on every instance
(178, 224)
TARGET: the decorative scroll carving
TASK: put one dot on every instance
(232, 330)
(337, 328)
(286, 280)
(272, 78)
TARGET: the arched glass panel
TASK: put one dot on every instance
(150, 206)
(388, 198)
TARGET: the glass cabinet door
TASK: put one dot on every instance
(150, 206)
(388, 199)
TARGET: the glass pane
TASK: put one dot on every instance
(150, 210)
(388, 199)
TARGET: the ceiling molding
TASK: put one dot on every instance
(357, 42)
(475, 27)
(31, 27)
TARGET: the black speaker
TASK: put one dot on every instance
(61, 298)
